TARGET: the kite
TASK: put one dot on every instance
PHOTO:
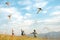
(9, 16)
(39, 9)
(7, 3)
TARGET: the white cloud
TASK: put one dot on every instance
(40, 4)
(52, 23)
(28, 22)
(52, 20)
(26, 2)
(17, 20)
(28, 8)
(44, 11)
(16, 16)
(7, 10)
(57, 7)
(27, 16)
(56, 13)
(24, 23)
(49, 7)
(13, 11)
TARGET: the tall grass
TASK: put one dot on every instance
(10, 37)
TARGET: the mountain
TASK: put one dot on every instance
(50, 34)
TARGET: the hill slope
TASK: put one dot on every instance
(9, 37)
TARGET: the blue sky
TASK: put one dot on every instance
(24, 16)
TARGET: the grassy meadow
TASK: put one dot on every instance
(10, 37)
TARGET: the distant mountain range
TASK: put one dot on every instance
(48, 35)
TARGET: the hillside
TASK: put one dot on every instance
(10, 37)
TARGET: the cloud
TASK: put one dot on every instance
(53, 26)
(53, 23)
(29, 5)
(27, 16)
(57, 7)
(28, 8)
(8, 10)
(44, 11)
(25, 2)
(17, 20)
(16, 16)
(56, 13)
(40, 4)
(28, 22)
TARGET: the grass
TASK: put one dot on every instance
(10, 37)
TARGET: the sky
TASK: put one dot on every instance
(24, 16)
